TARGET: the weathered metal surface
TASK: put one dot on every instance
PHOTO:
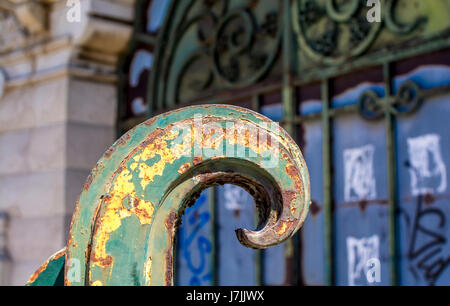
(337, 49)
(123, 227)
(51, 272)
(207, 46)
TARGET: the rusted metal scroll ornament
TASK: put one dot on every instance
(125, 220)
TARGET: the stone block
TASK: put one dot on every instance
(86, 144)
(92, 102)
(33, 195)
(35, 239)
(34, 106)
(32, 150)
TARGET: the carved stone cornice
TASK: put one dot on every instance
(37, 37)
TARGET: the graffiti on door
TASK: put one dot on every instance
(195, 245)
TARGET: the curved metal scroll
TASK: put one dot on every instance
(123, 227)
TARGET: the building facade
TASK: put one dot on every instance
(58, 110)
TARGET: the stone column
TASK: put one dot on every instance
(57, 115)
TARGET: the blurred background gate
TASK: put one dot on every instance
(366, 101)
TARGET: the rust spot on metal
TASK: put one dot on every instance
(97, 283)
(143, 211)
(123, 140)
(236, 213)
(103, 261)
(142, 165)
(197, 160)
(35, 275)
(314, 208)
(110, 151)
(88, 182)
(363, 205)
(292, 171)
(288, 197)
(285, 225)
(366, 203)
(149, 121)
(429, 199)
(170, 225)
(59, 254)
(218, 157)
(184, 167)
(148, 271)
(42, 268)
(122, 190)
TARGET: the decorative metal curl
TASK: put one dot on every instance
(317, 26)
(231, 45)
(370, 105)
(312, 24)
(341, 16)
(124, 224)
(396, 27)
(407, 100)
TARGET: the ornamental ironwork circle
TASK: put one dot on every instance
(408, 98)
(333, 31)
(236, 46)
(370, 105)
(231, 42)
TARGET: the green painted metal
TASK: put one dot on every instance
(231, 56)
(327, 184)
(51, 273)
(259, 254)
(291, 248)
(392, 181)
(123, 227)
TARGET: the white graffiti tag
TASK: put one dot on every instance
(234, 196)
(360, 254)
(359, 181)
(427, 169)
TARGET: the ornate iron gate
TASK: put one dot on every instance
(365, 101)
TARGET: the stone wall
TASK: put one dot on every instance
(57, 117)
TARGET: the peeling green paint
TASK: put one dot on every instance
(124, 224)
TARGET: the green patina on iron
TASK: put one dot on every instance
(51, 273)
(123, 227)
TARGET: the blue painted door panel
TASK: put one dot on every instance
(235, 209)
(194, 258)
(360, 197)
(423, 159)
(312, 233)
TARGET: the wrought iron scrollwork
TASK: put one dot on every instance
(396, 27)
(407, 100)
(237, 46)
(333, 32)
(370, 105)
